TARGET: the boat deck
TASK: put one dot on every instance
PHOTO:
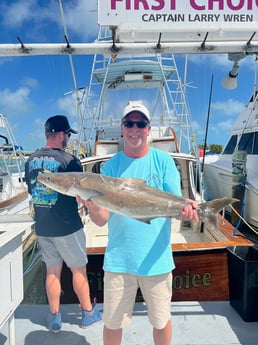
(195, 323)
(182, 237)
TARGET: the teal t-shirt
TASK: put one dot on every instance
(133, 246)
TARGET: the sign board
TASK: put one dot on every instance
(179, 15)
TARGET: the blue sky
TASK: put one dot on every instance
(32, 88)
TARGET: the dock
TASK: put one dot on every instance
(195, 323)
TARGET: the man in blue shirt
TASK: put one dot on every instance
(138, 255)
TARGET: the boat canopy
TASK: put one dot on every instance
(139, 73)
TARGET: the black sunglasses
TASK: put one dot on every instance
(68, 133)
(139, 124)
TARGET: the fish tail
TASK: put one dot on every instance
(208, 211)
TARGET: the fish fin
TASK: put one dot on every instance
(144, 220)
(211, 219)
(90, 194)
(208, 211)
(218, 204)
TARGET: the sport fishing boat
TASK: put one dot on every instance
(202, 267)
(200, 251)
(12, 159)
(234, 171)
(14, 199)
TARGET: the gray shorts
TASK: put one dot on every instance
(119, 297)
(70, 248)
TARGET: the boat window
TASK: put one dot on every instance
(194, 171)
(178, 166)
(246, 142)
(229, 149)
(256, 143)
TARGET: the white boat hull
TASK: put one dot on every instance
(219, 182)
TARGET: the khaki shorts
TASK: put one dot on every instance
(119, 297)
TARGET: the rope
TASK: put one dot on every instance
(241, 218)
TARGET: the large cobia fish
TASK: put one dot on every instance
(129, 196)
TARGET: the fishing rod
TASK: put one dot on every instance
(205, 145)
(207, 126)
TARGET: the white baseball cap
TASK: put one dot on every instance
(138, 106)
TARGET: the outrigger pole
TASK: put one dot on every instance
(68, 48)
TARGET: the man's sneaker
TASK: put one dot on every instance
(54, 322)
(90, 317)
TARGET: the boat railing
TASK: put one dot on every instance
(12, 162)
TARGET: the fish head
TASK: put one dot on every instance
(70, 183)
(64, 183)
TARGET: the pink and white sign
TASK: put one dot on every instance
(179, 15)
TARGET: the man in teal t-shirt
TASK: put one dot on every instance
(138, 255)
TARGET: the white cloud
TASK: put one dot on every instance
(67, 105)
(16, 101)
(17, 12)
(222, 126)
(81, 18)
(32, 83)
(221, 61)
(230, 107)
(36, 133)
(197, 129)
(211, 59)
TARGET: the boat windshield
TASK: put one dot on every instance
(230, 147)
(248, 143)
